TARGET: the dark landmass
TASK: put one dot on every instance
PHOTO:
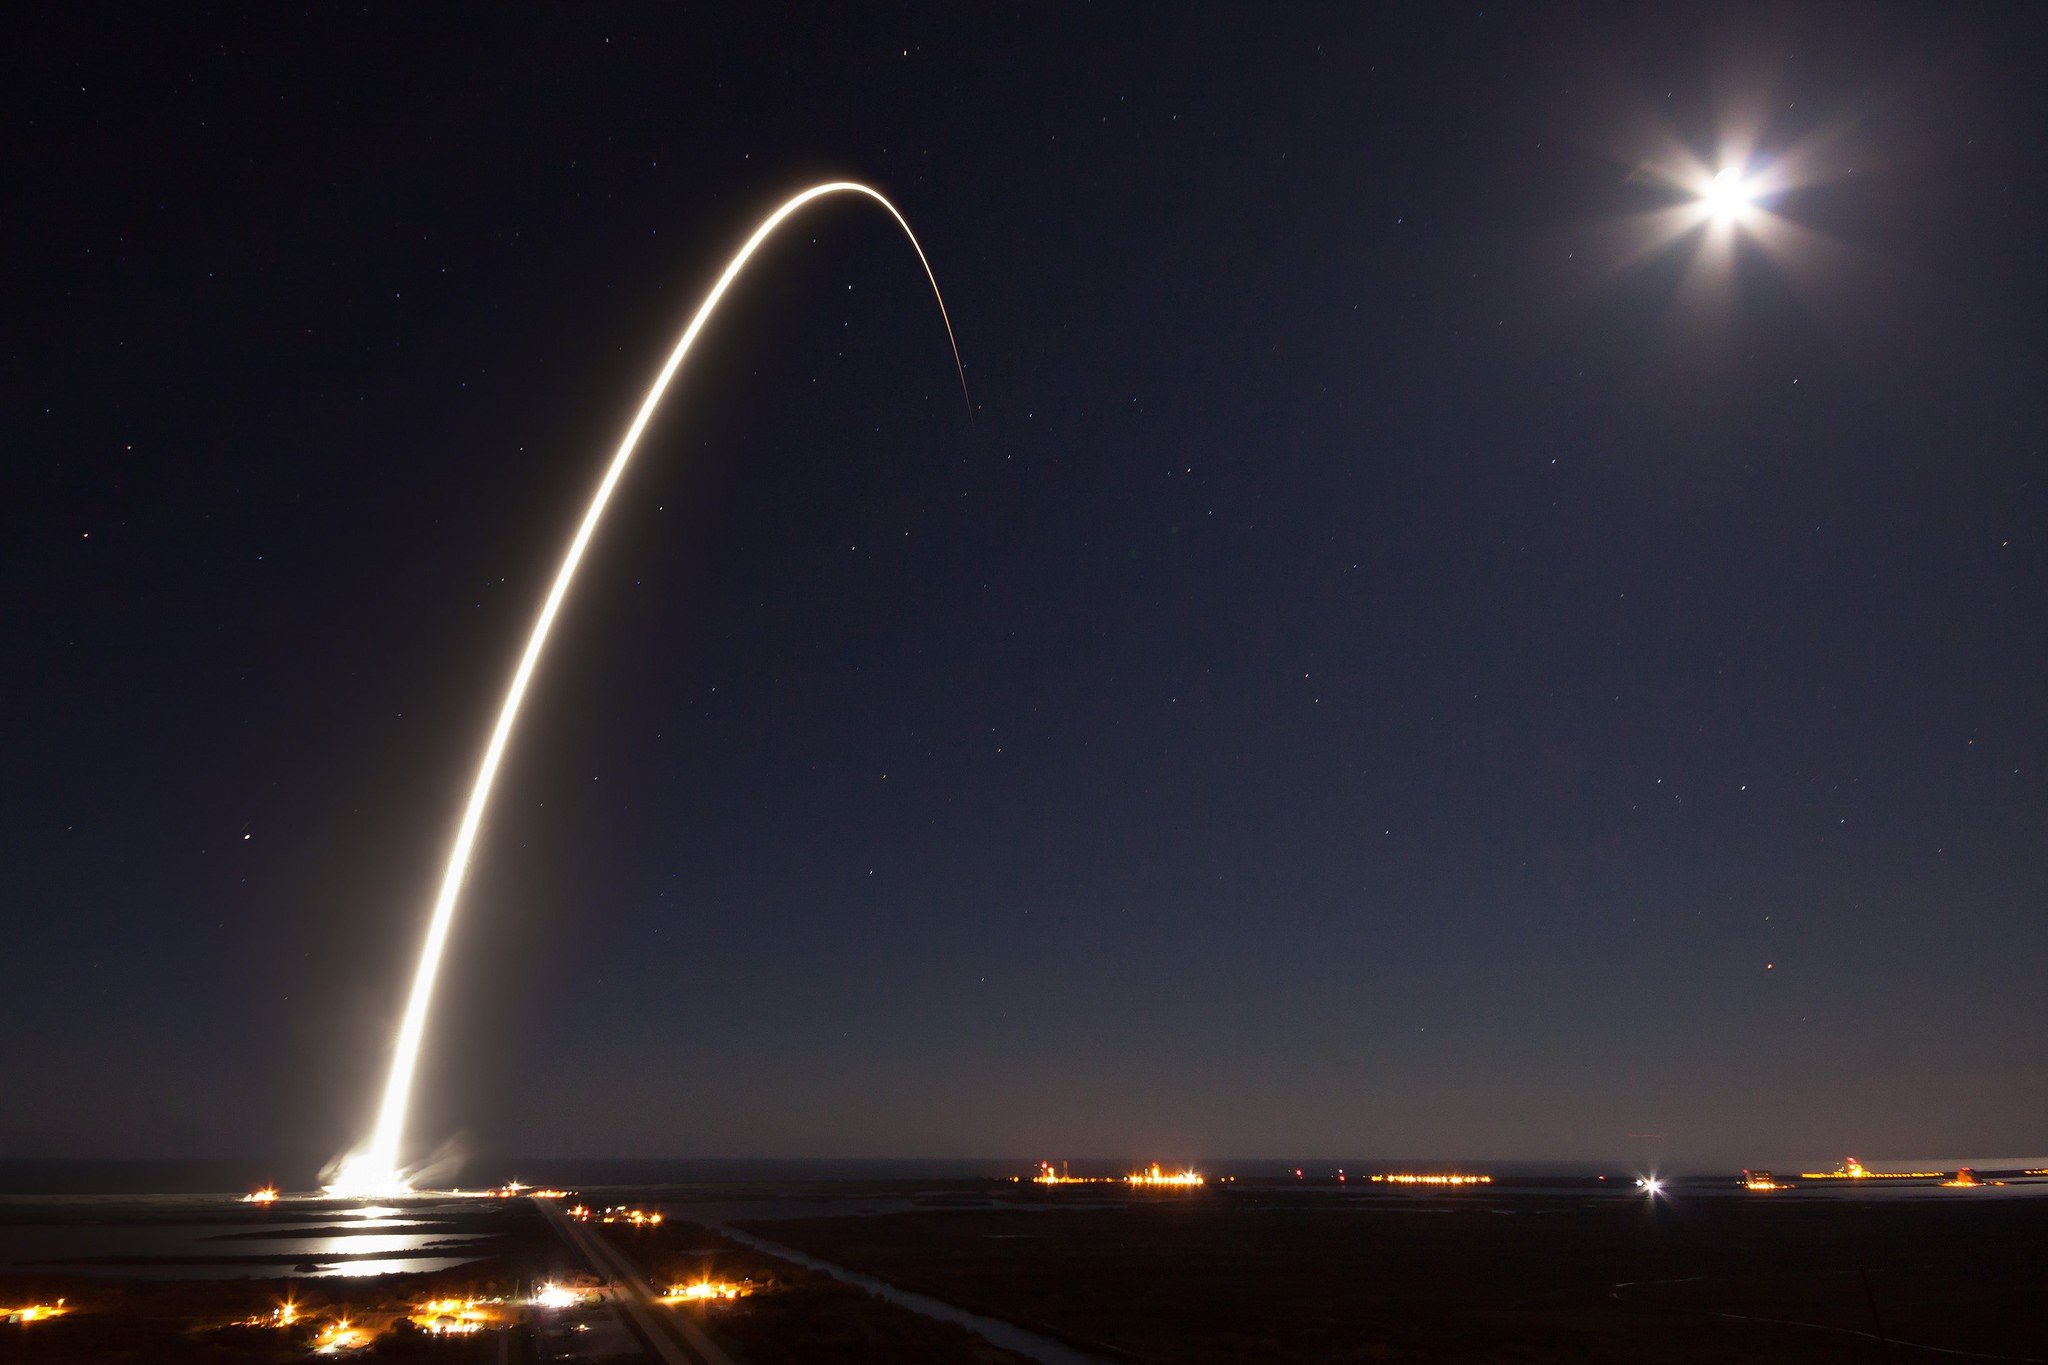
(795, 1316)
(1278, 1275)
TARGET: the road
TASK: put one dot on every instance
(675, 1339)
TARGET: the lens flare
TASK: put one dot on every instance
(374, 1170)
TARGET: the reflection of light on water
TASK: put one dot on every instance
(372, 1243)
(395, 1266)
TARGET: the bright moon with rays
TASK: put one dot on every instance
(1727, 195)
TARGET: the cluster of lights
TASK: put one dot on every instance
(34, 1312)
(338, 1336)
(454, 1317)
(1406, 1178)
(266, 1195)
(513, 1189)
(285, 1314)
(705, 1291)
(1048, 1176)
(1966, 1179)
(1762, 1182)
(638, 1218)
(1852, 1169)
(1156, 1177)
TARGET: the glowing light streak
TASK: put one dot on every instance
(1406, 1178)
(374, 1169)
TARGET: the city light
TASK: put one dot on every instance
(552, 1295)
(374, 1170)
(1407, 1179)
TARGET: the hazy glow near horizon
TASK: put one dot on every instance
(374, 1168)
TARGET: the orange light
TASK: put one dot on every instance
(1154, 1176)
(340, 1336)
(704, 1291)
(266, 1195)
(1047, 1176)
(1852, 1169)
(34, 1312)
(1409, 1178)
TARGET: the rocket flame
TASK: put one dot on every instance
(373, 1169)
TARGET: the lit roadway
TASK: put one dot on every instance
(675, 1339)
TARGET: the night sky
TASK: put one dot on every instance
(1393, 665)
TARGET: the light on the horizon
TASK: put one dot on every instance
(1650, 1185)
(1155, 1177)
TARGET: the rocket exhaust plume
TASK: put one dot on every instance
(374, 1169)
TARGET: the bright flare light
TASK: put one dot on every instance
(556, 1296)
(373, 1170)
(1728, 195)
(1651, 1186)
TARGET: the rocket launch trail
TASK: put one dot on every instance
(374, 1169)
